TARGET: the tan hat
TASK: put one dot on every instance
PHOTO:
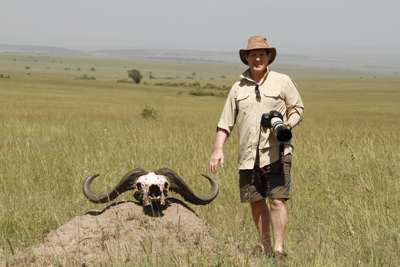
(257, 42)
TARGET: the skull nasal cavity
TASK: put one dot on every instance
(154, 191)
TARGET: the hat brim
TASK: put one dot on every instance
(271, 51)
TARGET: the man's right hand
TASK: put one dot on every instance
(216, 157)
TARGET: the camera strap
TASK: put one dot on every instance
(257, 161)
(281, 152)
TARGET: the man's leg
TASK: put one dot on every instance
(279, 219)
(262, 219)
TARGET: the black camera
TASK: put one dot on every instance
(274, 121)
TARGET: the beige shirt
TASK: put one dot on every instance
(278, 92)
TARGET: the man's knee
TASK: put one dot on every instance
(277, 204)
(259, 204)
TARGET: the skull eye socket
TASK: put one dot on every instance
(166, 186)
(154, 191)
(139, 186)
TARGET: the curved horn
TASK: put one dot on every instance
(179, 186)
(127, 182)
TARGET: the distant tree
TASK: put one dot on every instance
(93, 69)
(135, 76)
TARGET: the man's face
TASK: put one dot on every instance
(258, 59)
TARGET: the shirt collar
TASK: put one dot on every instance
(246, 76)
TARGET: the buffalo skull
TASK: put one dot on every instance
(151, 188)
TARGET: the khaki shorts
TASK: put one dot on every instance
(271, 181)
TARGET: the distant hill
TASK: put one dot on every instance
(47, 50)
(370, 63)
(189, 55)
(186, 55)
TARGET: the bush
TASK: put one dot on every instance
(135, 75)
(92, 69)
(195, 85)
(171, 84)
(5, 76)
(124, 81)
(85, 77)
(149, 113)
(201, 93)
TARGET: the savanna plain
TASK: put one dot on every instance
(63, 118)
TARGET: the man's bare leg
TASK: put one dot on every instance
(279, 219)
(262, 219)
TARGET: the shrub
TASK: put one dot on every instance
(194, 84)
(135, 75)
(171, 84)
(5, 76)
(201, 93)
(92, 69)
(149, 113)
(123, 81)
(210, 86)
(27, 68)
(85, 77)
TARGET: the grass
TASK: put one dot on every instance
(54, 130)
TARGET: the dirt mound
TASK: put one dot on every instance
(120, 233)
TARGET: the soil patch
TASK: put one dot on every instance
(120, 233)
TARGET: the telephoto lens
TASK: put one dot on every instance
(274, 120)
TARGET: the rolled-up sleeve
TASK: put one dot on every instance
(294, 103)
(228, 116)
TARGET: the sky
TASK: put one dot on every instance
(311, 27)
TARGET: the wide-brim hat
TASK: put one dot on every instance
(257, 42)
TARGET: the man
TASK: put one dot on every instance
(264, 163)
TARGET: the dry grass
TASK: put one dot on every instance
(54, 130)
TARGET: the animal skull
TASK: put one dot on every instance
(152, 188)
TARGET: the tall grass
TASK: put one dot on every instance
(344, 209)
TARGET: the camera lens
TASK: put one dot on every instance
(283, 134)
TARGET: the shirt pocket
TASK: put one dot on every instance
(244, 102)
(272, 100)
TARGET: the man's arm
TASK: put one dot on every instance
(217, 155)
(294, 104)
(293, 120)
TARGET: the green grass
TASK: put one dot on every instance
(54, 130)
